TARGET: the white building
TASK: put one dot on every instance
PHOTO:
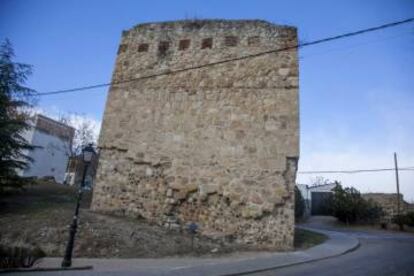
(315, 195)
(54, 141)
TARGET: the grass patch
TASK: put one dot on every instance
(305, 238)
(42, 213)
(20, 256)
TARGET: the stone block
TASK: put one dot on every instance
(217, 145)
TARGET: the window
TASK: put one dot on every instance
(163, 47)
(122, 48)
(143, 47)
(207, 43)
(184, 44)
(253, 41)
(231, 41)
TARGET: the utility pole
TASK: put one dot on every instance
(398, 188)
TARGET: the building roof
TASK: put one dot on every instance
(327, 186)
(53, 127)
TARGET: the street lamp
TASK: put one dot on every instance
(87, 154)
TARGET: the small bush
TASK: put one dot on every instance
(349, 207)
(406, 219)
(410, 218)
(370, 212)
(19, 256)
(299, 204)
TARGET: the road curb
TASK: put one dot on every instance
(338, 244)
(349, 250)
(45, 269)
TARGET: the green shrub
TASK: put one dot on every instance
(370, 212)
(349, 207)
(410, 218)
(406, 219)
(19, 256)
(15, 96)
(299, 204)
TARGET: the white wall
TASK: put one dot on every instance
(304, 190)
(49, 160)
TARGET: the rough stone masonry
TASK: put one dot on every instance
(216, 145)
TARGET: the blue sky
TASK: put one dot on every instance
(356, 95)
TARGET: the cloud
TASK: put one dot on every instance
(75, 120)
(79, 120)
(380, 182)
(341, 147)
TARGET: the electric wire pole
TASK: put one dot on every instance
(398, 188)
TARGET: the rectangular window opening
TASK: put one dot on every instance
(163, 47)
(184, 44)
(143, 47)
(207, 43)
(231, 41)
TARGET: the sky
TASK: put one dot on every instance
(356, 94)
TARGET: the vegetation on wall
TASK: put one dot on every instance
(20, 256)
(299, 204)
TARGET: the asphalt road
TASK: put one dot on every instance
(380, 253)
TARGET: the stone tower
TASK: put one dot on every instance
(215, 145)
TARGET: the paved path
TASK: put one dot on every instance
(380, 253)
(236, 264)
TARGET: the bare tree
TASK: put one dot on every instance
(84, 132)
(319, 180)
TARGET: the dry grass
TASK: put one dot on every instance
(305, 239)
(41, 216)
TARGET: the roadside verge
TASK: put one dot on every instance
(338, 243)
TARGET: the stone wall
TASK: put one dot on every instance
(389, 204)
(217, 145)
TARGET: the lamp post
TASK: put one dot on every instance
(87, 154)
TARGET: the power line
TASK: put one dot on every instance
(169, 72)
(356, 171)
(353, 46)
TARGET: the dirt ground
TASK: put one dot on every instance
(42, 214)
